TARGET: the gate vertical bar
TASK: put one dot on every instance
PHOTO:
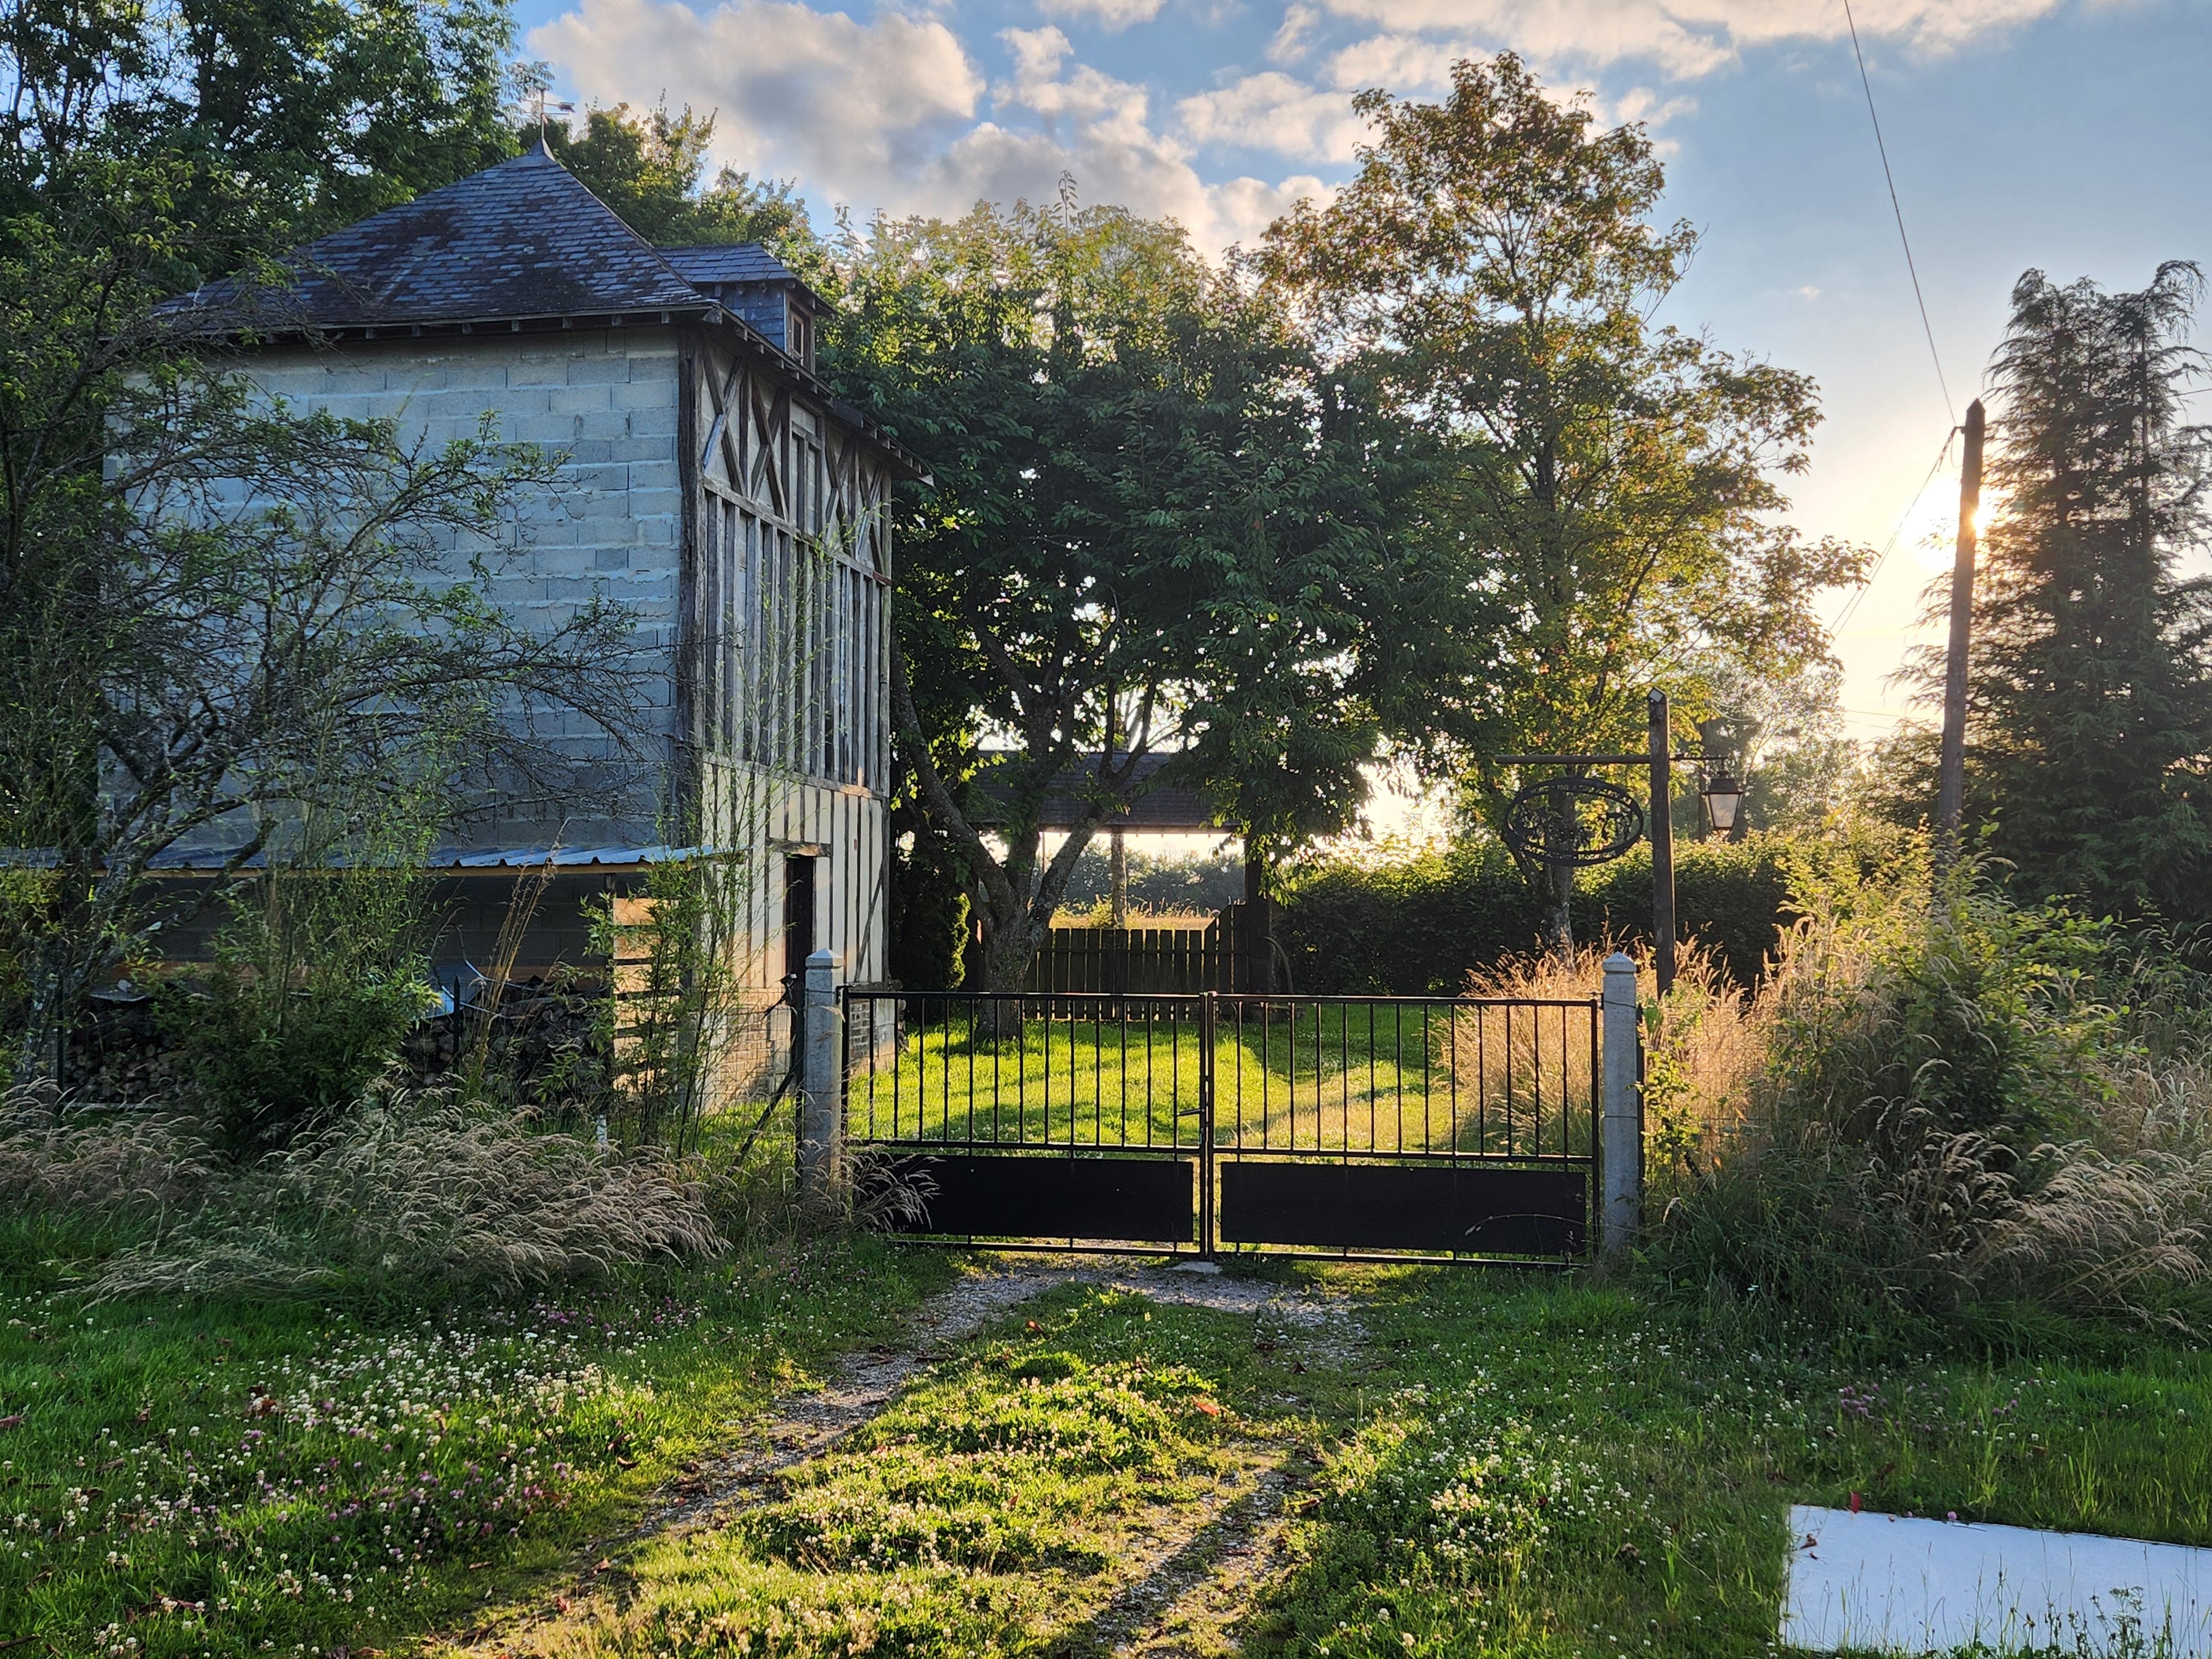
(1207, 1020)
(1621, 1150)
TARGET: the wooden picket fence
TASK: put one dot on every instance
(1136, 961)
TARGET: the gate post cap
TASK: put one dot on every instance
(822, 959)
(1620, 963)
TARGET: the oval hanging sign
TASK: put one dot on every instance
(1573, 821)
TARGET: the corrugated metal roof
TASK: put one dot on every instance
(472, 858)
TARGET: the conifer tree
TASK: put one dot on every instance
(2090, 712)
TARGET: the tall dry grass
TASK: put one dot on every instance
(1932, 1103)
(102, 1166)
(407, 1187)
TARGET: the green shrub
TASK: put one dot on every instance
(265, 1060)
(1418, 927)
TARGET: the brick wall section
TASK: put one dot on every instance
(603, 400)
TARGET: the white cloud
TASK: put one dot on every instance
(1271, 110)
(1289, 45)
(1107, 13)
(1683, 37)
(892, 114)
(793, 90)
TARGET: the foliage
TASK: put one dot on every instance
(928, 904)
(1599, 513)
(1151, 532)
(260, 122)
(645, 165)
(1181, 883)
(319, 972)
(1419, 926)
(2089, 696)
(1781, 739)
(267, 1059)
(1934, 1104)
(676, 950)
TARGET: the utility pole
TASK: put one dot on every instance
(1661, 751)
(1951, 794)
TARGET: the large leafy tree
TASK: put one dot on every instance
(1152, 534)
(649, 167)
(280, 118)
(1601, 513)
(2090, 684)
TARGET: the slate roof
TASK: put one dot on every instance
(525, 239)
(742, 262)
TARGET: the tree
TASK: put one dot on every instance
(1600, 517)
(1152, 533)
(1782, 739)
(2089, 685)
(276, 119)
(645, 165)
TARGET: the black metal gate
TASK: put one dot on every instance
(1376, 1127)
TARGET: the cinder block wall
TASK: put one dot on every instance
(604, 403)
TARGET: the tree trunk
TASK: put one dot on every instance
(1562, 877)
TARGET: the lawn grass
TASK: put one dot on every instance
(232, 1477)
(1553, 1469)
(1506, 1467)
(1003, 1505)
(1378, 1077)
(1500, 1465)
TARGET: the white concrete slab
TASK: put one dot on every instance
(1885, 1584)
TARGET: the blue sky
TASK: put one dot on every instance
(2071, 135)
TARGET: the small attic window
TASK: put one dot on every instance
(798, 331)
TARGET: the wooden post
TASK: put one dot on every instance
(1117, 863)
(1951, 792)
(1662, 752)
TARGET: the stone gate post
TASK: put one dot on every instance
(822, 1082)
(1620, 1125)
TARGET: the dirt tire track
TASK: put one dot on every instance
(805, 1425)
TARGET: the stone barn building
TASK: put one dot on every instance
(708, 481)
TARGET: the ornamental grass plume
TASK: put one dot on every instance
(1934, 1104)
(408, 1186)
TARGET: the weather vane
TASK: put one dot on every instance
(534, 87)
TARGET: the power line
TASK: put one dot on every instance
(1864, 588)
(1912, 270)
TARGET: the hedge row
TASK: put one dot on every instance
(1417, 928)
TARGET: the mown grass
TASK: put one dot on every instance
(1504, 1467)
(1555, 1470)
(999, 1507)
(233, 1476)
(1362, 1077)
(1500, 1467)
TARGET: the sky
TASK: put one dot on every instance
(2070, 136)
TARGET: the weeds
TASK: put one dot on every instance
(1930, 1105)
(227, 1478)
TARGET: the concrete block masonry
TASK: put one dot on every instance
(1885, 1583)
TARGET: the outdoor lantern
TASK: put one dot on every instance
(1722, 796)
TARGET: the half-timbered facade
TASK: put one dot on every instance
(708, 481)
